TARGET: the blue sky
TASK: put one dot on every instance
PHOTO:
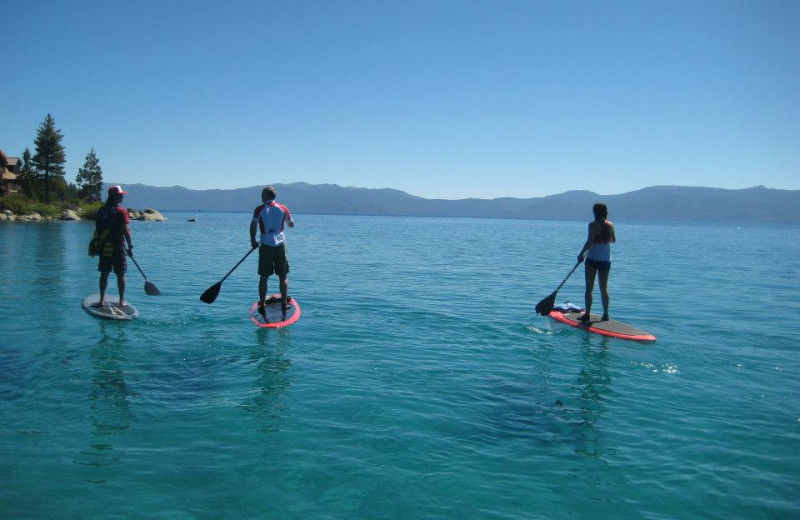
(439, 98)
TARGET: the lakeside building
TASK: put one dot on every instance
(9, 173)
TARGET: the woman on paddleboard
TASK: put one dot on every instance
(598, 259)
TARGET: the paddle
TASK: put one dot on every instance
(546, 305)
(212, 292)
(149, 287)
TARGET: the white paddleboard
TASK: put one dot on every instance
(111, 310)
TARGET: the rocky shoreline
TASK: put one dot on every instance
(8, 216)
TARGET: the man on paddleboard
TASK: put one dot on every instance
(112, 234)
(269, 218)
(598, 259)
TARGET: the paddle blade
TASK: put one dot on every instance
(211, 293)
(150, 288)
(545, 306)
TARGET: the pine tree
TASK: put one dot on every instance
(71, 191)
(27, 176)
(50, 156)
(90, 179)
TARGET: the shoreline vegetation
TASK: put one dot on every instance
(15, 208)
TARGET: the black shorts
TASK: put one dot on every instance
(273, 260)
(600, 265)
(117, 262)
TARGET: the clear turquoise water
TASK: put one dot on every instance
(419, 382)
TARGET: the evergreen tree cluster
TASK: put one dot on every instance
(42, 174)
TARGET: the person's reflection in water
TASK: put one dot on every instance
(266, 401)
(109, 396)
(593, 388)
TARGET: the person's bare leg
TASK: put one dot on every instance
(591, 272)
(262, 288)
(602, 279)
(284, 294)
(103, 287)
(121, 288)
(262, 295)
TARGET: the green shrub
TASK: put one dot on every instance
(90, 210)
(14, 202)
(21, 205)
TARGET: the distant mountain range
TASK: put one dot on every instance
(658, 203)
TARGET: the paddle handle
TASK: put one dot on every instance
(237, 265)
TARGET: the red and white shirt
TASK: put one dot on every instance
(271, 217)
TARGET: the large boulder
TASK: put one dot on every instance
(68, 214)
(33, 217)
(3, 216)
(151, 215)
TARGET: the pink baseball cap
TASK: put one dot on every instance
(116, 190)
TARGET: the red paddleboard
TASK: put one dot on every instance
(612, 328)
(274, 317)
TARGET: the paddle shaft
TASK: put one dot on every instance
(212, 292)
(546, 305)
(137, 266)
(237, 265)
(149, 287)
(567, 277)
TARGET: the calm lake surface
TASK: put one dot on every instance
(419, 382)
